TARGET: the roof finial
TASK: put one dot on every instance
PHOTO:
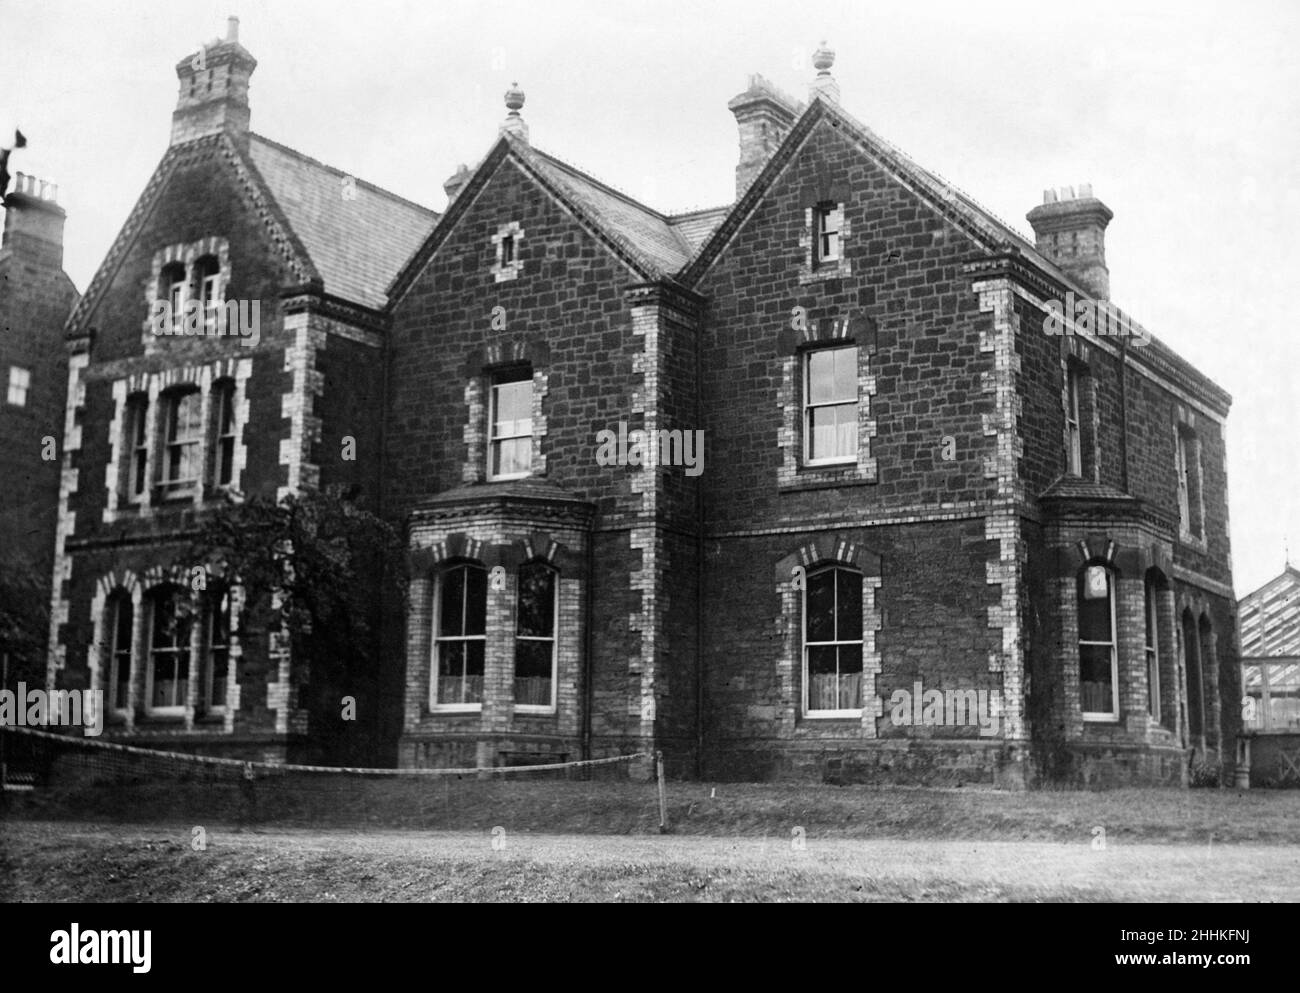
(514, 124)
(824, 83)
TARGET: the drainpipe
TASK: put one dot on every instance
(588, 691)
(699, 569)
(1123, 409)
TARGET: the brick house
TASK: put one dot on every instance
(929, 490)
(161, 428)
(36, 297)
(805, 485)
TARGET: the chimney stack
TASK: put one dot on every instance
(214, 89)
(1071, 231)
(764, 116)
(456, 182)
(514, 124)
(34, 220)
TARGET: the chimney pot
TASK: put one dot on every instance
(232, 30)
(1072, 233)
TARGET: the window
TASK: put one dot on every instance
(460, 624)
(511, 420)
(169, 651)
(535, 638)
(118, 613)
(180, 462)
(507, 250)
(224, 449)
(19, 381)
(216, 669)
(1188, 469)
(1274, 689)
(832, 662)
(1073, 430)
(1098, 662)
(831, 405)
(207, 275)
(171, 286)
(137, 411)
(1152, 650)
(828, 220)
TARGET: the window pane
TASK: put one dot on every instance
(536, 614)
(819, 607)
(823, 685)
(846, 374)
(848, 607)
(846, 431)
(850, 682)
(533, 658)
(514, 408)
(512, 457)
(1094, 612)
(475, 601)
(452, 607)
(821, 375)
(1095, 687)
(451, 671)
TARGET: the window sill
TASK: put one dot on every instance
(455, 710)
(833, 715)
(507, 479)
(528, 710)
(1101, 718)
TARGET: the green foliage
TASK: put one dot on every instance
(24, 620)
(1205, 774)
(311, 567)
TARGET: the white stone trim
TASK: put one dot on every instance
(502, 271)
(298, 405)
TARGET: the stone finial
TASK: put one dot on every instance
(824, 83)
(514, 123)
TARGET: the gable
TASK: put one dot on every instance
(217, 160)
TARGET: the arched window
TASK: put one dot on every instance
(832, 649)
(118, 627)
(535, 638)
(460, 625)
(1098, 660)
(168, 673)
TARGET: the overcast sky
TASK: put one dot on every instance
(1184, 117)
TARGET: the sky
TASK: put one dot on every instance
(1184, 117)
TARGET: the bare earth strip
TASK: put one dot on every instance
(87, 862)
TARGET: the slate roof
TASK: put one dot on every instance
(643, 232)
(356, 245)
(696, 226)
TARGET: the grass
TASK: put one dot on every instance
(328, 840)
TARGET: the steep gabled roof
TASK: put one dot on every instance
(357, 244)
(353, 247)
(695, 226)
(981, 224)
(649, 243)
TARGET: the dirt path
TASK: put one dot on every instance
(41, 861)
